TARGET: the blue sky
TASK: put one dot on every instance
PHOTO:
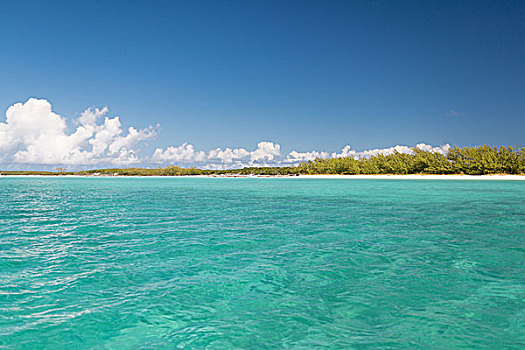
(308, 75)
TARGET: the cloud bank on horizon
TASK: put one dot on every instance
(34, 135)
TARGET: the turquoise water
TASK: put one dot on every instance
(129, 263)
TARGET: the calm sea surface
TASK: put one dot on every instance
(129, 263)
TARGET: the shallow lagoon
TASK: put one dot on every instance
(261, 263)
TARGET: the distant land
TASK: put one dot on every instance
(480, 160)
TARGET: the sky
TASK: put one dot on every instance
(223, 84)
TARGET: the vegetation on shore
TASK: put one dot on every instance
(481, 160)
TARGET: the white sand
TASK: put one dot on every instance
(417, 177)
(389, 177)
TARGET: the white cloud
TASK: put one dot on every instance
(228, 155)
(265, 153)
(295, 157)
(440, 149)
(384, 151)
(348, 152)
(298, 157)
(34, 134)
(27, 123)
(90, 115)
(185, 153)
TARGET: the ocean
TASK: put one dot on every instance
(252, 263)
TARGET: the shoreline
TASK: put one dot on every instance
(418, 177)
(348, 177)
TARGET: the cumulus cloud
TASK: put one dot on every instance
(298, 157)
(265, 153)
(295, 157)
(268, 154)
(440, 149)
(34, 134)
(228, 155)
(348, 152)
(185, 153)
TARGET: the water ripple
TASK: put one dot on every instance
(263, 263)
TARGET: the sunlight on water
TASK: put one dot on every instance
(121, 263)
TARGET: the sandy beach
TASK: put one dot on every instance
(417, 177)
(381, 177)
(348, 177)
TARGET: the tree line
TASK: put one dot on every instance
(481, 160)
